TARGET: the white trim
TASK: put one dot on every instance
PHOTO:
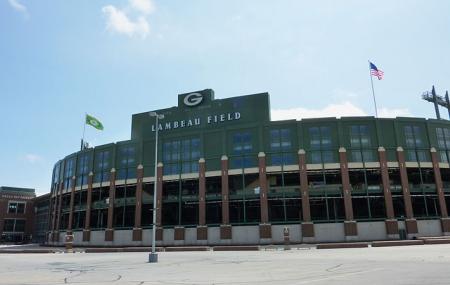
(251, 170)
(190, 175)
(293, 167)
(148, 179)
(426, 164)
(392, 164)
(314, 166)
(234, 171)
(411, 164)
(332, 165)
(213, 173)
(355, 165)
(444, 165)
(373, 164)
(273, 168)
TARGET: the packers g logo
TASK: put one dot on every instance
(193, 99)
(93, 123)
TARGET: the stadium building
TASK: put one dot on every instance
(227, 174)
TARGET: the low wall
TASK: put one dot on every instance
(249, 235)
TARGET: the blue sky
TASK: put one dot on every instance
(114, 58)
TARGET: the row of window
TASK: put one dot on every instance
(181, 156)
(180, 198)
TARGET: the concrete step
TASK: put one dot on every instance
(236, 248)
(437, 241)
(397, 243)
(434, 237)
(187, 248)
(342, 245)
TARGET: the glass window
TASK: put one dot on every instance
(69, 173)
(20, 208)
(20, 226)
(413, 136)
(242, 147)
(414, 141)
(443, 140)
(8, 225)
(280, 141)
(321, 144)
(242, 143)
(181, 155)
(102, 166)
(359, 140)
(12, 207)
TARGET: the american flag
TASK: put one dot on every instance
(374, 71)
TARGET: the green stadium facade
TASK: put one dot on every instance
(228, 175)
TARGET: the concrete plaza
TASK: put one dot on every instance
(425, 264)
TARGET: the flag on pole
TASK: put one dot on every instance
(374, 71)
(94, 122)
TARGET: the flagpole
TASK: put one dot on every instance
(84, 130)
(373, 91)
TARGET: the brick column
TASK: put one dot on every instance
(137, 230)
(54, 228)
(202, 229)
(445, 220)
(159, 189)
(391, 222)
(307, 225)
(410, 221)
(225, 227)
(72, 197)
(58, 219)
(265, 229)
(87, 221)
(350, 228)
(109, 232)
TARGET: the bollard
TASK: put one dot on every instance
(69, 243)
(287, 240)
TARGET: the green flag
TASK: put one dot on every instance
(94, 122)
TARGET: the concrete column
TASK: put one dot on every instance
(265, 229)
(137, 230)
(350, 228)
(410, 222)
(391, 222)
(445, 220)
(225, 228)
(202, 230)
(307, 225)
(87, 221)
(159, 189)
(72, 197)
(109, 232)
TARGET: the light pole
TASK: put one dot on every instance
(153, 256)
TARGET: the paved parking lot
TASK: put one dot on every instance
(426, 264)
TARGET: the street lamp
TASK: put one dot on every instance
(153, 256)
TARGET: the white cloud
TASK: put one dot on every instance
(333, 110)
(344, 109)
(392, 113)
(32, 158)
(119, 21)
(18, 6)
(144, 6)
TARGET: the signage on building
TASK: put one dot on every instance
(209, 119)
(193, 99)
(11, 196)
